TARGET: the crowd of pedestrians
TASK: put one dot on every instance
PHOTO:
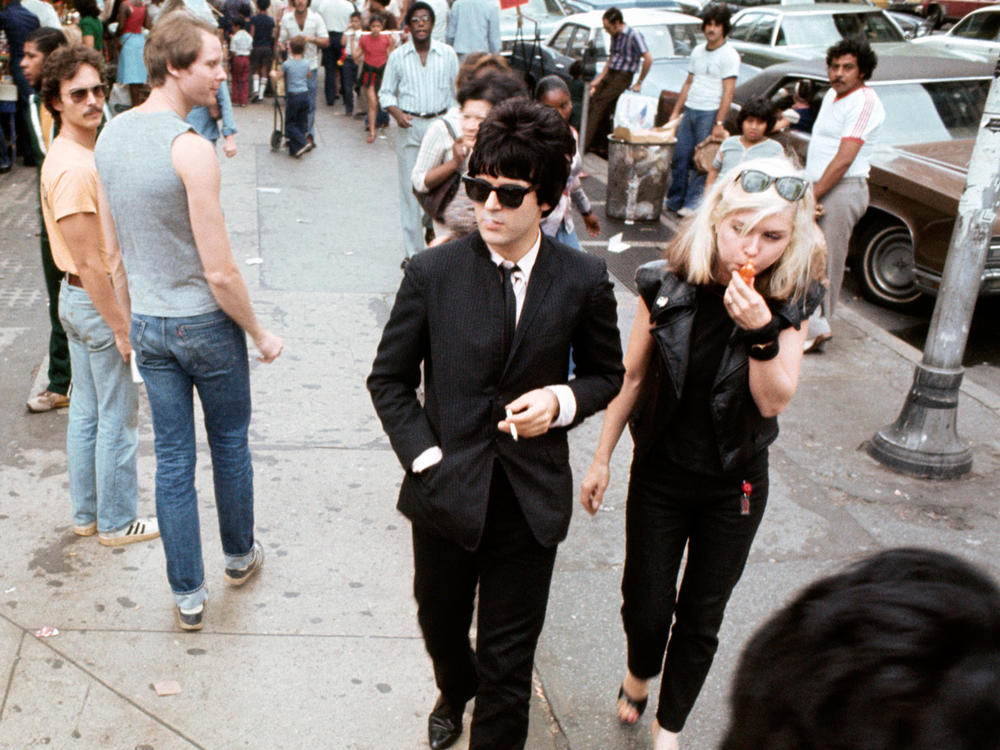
(144, 288)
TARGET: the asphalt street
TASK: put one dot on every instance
(322, 650)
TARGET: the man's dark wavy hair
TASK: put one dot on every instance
(61, 66)
(901, 650)
(523, 140)
(860, 48)
(719, 13)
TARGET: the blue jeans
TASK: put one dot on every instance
(313, 83)
(331, 56)
(296, 121)
(687, 183)
(348, 75)
(567, 238)
(176, 356)
(102, 433)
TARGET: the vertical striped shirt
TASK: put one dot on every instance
(627, 49)
(416, 87)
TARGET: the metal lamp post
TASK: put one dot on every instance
(923, 441)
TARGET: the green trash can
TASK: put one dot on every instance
(638, 176)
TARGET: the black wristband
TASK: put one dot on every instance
(764, 352)
(763, 334)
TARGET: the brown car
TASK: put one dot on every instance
(918, 168)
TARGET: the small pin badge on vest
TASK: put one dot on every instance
(747, 488)
(661, 301)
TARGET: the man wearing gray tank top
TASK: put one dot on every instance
(190, 307)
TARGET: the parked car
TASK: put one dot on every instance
(538, 19)
(939, 11)
(691, 7)
(918, 168)
(771, 34)
(578, 49)
(976, 36)
(909, 24)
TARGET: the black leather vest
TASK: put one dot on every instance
(743, 433)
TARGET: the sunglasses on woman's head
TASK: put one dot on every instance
(79, 96)
(509, 196)
(789, 188)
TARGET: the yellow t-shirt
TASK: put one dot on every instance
(68, 186)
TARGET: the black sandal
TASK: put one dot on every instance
(639, 705)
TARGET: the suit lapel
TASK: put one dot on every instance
(542, 275)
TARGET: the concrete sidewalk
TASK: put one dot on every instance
(322, 650)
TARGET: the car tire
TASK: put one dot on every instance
(935, 14)
(885, 266)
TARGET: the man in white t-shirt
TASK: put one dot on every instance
(838, 161)
(704, 103)
(309, 24)
(336, 14)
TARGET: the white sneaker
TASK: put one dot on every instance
(685, 211)
(140, 530)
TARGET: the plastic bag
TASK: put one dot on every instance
(635, 111)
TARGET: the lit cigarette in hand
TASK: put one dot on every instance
(513, 427)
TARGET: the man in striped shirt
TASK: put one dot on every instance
(418, 86)
(628, 52)
(838, 161)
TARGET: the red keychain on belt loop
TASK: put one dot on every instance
(747, 488)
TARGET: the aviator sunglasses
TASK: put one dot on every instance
(79, 96)
(789, 188)
(509, 196)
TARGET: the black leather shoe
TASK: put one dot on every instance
(444, 725)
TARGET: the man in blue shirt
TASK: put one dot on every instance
(18, 22)
(628, 52)
(474, 26)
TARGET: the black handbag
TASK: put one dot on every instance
(436, 200)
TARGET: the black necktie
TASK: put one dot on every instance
(509, 307)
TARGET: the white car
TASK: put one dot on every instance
(976, 36)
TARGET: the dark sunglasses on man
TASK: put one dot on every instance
(509, 196)
(79, 96)
(789, 188)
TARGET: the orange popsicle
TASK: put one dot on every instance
(747, 272)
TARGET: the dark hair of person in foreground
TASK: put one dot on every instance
(901, 651)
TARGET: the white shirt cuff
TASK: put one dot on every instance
(427, 459)
(567, 405)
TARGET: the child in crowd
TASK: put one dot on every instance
(262, 53)
(240, 46)
(374, 48)
(755, 121)
(552, 92)
(296, 71)
(349, 68)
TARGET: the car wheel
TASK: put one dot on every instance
(935, 14)
(886, 266)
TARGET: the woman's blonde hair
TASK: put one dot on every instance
(694, 253)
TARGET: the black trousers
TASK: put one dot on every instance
(666, 512)
(512, 572)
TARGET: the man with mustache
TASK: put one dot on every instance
(191, 310)
(102, 434)
(838, 161)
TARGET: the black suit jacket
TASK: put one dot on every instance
(448, 316)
